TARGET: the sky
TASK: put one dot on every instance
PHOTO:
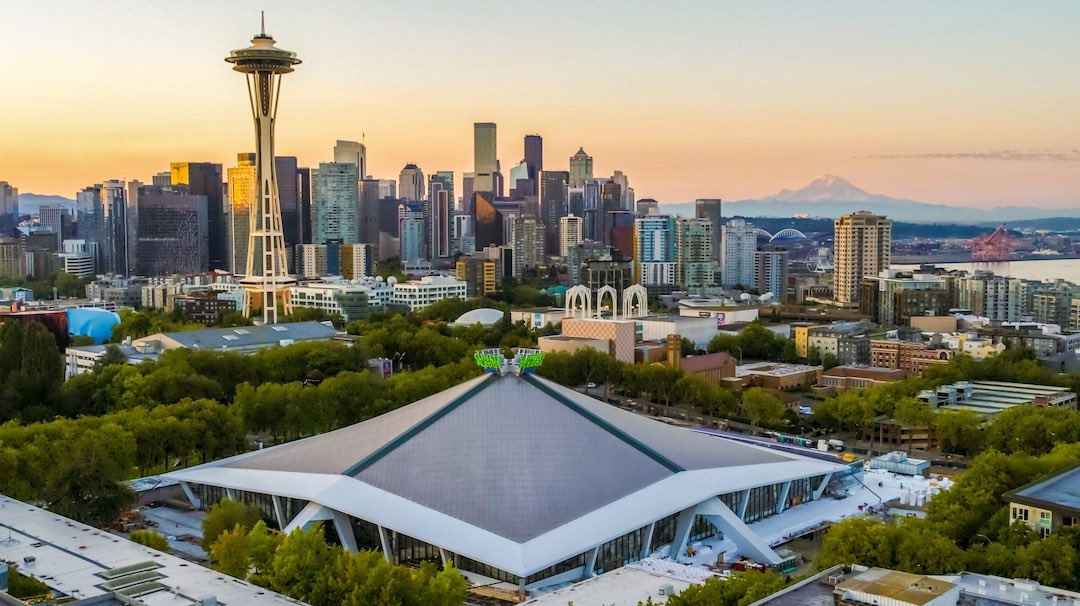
(973, 103)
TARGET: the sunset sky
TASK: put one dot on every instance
(916, 100)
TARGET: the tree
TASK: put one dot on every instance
(150, 538)
(85, 486)
(300, 564)
(740, 590)
(112, 355)
(262, 544)
(958, 431)
(225, 515)
(762, 407)
(231, 552)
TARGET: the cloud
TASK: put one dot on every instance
(1009, 155)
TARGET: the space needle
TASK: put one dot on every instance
(267, 281)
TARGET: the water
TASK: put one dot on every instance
(1044, 269)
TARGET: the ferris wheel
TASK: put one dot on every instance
(820, 260)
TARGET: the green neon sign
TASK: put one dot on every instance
(530, 361)
(489, 359)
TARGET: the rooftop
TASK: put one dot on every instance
(706, 362)
(249, 336)
(998, 591)
(1059, 491)
(991, 397)
(867, 372)
(76, 559)
(899, 587)
(626, 586)
(773, 369)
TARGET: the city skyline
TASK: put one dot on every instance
(937, 104)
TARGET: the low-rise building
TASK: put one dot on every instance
(350, 300)
(418, 294)
(1047, 504)
(538, 317)
(554, 343)
(620, 335)
(848, 341)
(991, 397)
(204, 308)
(773, 375)
(909, 356)
(711, 367)
(843, 378)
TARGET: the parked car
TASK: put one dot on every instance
(806, 410)
(591, 386)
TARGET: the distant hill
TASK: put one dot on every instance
(29, 203)
(831, 196)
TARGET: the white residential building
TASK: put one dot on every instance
(418, 294)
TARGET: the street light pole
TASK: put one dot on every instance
(740, 354)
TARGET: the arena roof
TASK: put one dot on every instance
(514, 471)
(485, 316)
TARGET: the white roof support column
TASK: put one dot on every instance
(313, 512)
(195, 501)
(279, 511)
(384, 540)
(442, 556)
(646, 545)
(344, 531)
(590, 562)
(683, 526)
(747, 541)
(229, 492)
(781, 499)
(821, 487)
(744, 501)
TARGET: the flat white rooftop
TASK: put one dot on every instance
(71, 558)
(626, 586)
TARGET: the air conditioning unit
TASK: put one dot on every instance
(668, 590)
(207, 600)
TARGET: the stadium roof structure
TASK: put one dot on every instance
(485, 316)
(516, 472)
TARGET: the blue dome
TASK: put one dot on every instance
(92, 322)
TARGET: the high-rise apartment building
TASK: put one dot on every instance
(173, 232)
(88, 216)
(569, 234)
(627, 192)
(862, 247)
(335, 203)
(205, 179)
(770, 272)
(710, 208)
(553, 207)
(387, 188)
(485, 157)
(693, 252)
(998, 298)
(738, 245)
(441, 204)
(52, 217)
(411, 183)
(581, 168)
(654, 251)
(411, 228)
(357, 261)
(352, 152)
(527, 242)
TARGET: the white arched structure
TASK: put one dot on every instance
(573, 296)
(635, 302)
(607, 290)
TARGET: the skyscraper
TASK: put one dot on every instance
(534, 155)
(863, 245)
(624, 186)
(335, 203)
(173, 234)
(204, 179)
(487, 221)
(411, 183)
(52, 217)
(709, 208)
(553, 206)
(581, 169)
(485, 157)
(88, 218)
(113, 228)
(770, 272)
(654, 251)
(9, 208)
(569, 234)
(369, 211)
(441, 203)
(263, 64)
(648, 206)
(693, 252)
(610, 201)
(288, 188)
(352, 152)
(520, 183)
(738, 245)
(242, 198)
